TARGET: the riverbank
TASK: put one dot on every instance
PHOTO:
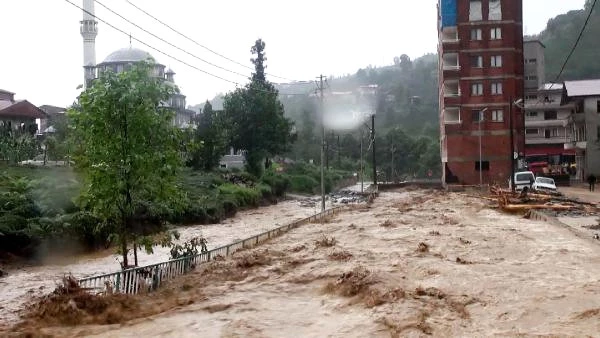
(24, 282)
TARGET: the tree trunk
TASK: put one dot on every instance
(124, 249)
(135, 259)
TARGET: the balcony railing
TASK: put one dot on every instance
(544, 140)
(546, 123)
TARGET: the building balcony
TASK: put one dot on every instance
(576, 145)
(449, 35)
(451, 89)
(546, 123)
(452, 115)
(549, 140)
(450, 61)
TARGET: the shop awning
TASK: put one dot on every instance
(549, 150)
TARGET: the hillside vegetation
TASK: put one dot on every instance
(559, 36)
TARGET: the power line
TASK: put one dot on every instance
(170, 56)
(201, 45)
(167, 42)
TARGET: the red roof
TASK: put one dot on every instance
(549, 150)
(23, 109)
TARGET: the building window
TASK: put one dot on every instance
(532, 61)
(497, 88)
(495, 10)
(597, 133)
(496, 61)
(532, 114)
(554, 132)
(476, 34)
(530, 78)
(477, 61)
(531, 131)
(550, 115)
(477, 116)
(475, 11)
(598, 107)
(498, 115)
(496, 33)
(482, 166)
(531, 97)
(476, 89)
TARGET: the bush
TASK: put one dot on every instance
(243, 196)
(278, 183)
(303, 184)
(230, 206)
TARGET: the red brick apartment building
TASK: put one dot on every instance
(481, 75)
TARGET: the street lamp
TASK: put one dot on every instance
(513, 154)
(481, 118)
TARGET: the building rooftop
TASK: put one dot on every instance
(6, 92)
(533, 40)
(22, 109)
(583, 88)
(128, 55)
(52, 110)
(552, 86)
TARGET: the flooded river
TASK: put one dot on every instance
(20, 285)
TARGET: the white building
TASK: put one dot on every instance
(584, 124)
(547, 126)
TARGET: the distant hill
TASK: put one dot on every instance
(560, 35)
(407, 93)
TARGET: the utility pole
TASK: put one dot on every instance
(320, 86)
(512, 145)
(362, 181)
(373, 143)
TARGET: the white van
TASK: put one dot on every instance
(523, 179)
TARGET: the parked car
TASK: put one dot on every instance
(544, 183)
(522, 179)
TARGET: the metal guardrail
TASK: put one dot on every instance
(150, 277)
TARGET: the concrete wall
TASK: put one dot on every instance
(534, 50)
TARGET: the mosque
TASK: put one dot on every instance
(121, 60)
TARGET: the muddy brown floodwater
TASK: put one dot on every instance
(20, 284)
(414, 263)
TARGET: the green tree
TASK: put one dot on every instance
(255, 117)
(210, 135)
(128, 150)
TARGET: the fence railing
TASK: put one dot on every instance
(150, 277)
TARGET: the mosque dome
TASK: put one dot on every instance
(127, 55)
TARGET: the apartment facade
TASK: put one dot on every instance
(547, 127)
(584, 125)
(481, 74)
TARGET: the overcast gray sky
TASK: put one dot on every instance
(42, 51)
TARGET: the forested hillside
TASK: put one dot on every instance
(560, 35)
